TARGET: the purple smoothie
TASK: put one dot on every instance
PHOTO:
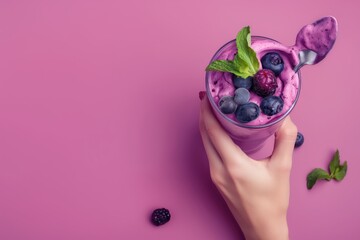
(319, 37)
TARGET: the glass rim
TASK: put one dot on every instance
(214, 106)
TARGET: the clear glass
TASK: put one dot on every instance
(250, 138)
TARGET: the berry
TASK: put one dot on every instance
(264, 83)
(299, 140)
(271, 105)
(160, 216)
(240, 82)
(242, 96)
(247, 112)
(227, 105)
(273, 61)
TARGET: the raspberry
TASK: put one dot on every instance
(264, 83)
(160, 216)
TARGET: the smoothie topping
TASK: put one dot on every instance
(240, 82)
(273, 61)
(247, 112)
(264, 83)
(227, 105)
(245, 62)
(271, 105)
(246, 77)
(242, 96)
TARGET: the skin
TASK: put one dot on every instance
(256, 191)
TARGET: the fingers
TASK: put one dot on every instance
(214, 159)
(223, 144)
(284, 144)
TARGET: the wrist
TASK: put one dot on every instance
(270, 230)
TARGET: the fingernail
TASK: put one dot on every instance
(202, 95)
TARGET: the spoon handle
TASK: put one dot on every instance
(306, 57)
(297, 67)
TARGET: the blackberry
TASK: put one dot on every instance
(264, 83)
(160, 216)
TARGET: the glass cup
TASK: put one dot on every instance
(250, 138)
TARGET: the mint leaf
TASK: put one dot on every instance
(341, 172)
(337, 172)
(245, 68)
(245, 63)
(223, 66)
(335, 163)
(314, 175)
(246, 56)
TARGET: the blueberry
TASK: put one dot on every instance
(299, 140)
(273, 61)
(271, 105)
(247, 112)
(160, 216)
(240, 82)
(242, 96)
(227, 105)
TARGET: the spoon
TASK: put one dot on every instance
(306, 57)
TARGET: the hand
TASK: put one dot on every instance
(256, 191)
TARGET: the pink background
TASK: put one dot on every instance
(99, 109)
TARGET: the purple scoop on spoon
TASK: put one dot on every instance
(314, 41)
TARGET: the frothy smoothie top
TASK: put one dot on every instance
(221, 85)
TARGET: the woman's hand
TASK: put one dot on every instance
(257, 192)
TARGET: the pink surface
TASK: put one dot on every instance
(98, 118)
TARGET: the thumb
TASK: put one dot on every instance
(284, 144)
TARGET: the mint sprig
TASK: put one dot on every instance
(336, 171)
(245, 62)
